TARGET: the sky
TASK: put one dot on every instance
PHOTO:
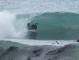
(39, 6)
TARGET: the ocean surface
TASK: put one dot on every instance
(58, 21)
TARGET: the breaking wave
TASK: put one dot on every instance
(8, 27)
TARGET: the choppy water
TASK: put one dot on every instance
(15, 51)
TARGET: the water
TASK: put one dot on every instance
(16, 51)
(53, 26)
(58, 26)
(57, 20)
(6, 24)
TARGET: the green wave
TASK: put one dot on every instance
(57, 25)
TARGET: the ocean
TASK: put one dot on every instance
(57, 30)
(58, 26)
(57, 20)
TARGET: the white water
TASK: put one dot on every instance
(42, 42)
(7, 26)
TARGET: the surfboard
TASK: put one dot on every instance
(33, 30)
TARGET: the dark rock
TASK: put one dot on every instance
(37, 52)
(58, 50)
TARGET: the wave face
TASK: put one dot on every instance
(15, 51)
(57, 26)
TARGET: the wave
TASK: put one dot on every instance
(57, 25)
(53, 26)
(65, 24)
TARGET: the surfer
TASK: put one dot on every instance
(32, 30)
(32, 27)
